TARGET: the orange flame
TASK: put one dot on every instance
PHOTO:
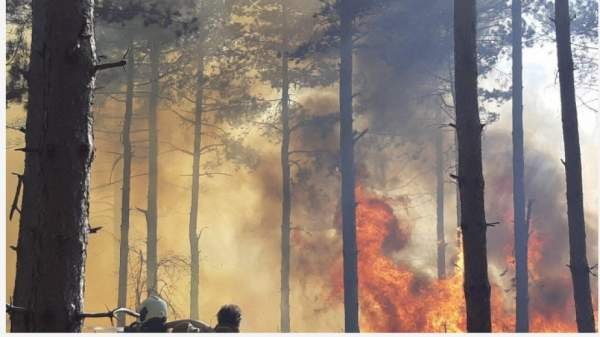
(395, 298)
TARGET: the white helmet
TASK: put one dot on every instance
(152, 307)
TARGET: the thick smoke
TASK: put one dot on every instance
(402, 72)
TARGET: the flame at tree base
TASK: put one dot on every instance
(395, 298)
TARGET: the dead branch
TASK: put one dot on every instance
(28, 149)
(105, 66)
(12, 309)
(109, 314)
(141, 210)
(357, 137)
(94, 230)
(14, 207)
(114, 165)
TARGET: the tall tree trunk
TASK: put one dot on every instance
(520, 231)
(194, 237)
(350, 253)
(126, 188)
(470, 175)
(578, 264)
(59, 150)
(457, 188)
(286, 201)
(441, 240)
(152, 212)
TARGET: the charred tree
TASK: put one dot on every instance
(194, 237)
(286, 200)
(152, 212)
(59, 151)
(439, 174)
(520, 231)
(470, 175)
(126, 188)
(580, 270)
(350, 253)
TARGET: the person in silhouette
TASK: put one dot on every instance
(229, 318)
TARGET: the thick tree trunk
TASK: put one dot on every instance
(126, 188)
(520, 231)
(286, 201)
(152, 211)
(441, 240)
(578, 264)
(350, 253)
(194, 237)
(470, 175)
(58, 154)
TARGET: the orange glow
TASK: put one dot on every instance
(396, 298)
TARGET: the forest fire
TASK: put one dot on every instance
(205, 152)
(396, 298)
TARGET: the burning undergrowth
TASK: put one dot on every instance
(397, 297)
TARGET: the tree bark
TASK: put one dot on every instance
(59, 151)
(520, 231)
(470, 175)
(194, 237)
(126, 188)
(578, 264)
(350, 253)
(441, 240)
(152, 212)
(286, 201)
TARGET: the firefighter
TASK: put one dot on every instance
(153, 316)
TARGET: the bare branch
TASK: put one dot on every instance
(357, 137)
(14, 207)
(94, 230)
(109, 314)
(12, 309)
(104, 66)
